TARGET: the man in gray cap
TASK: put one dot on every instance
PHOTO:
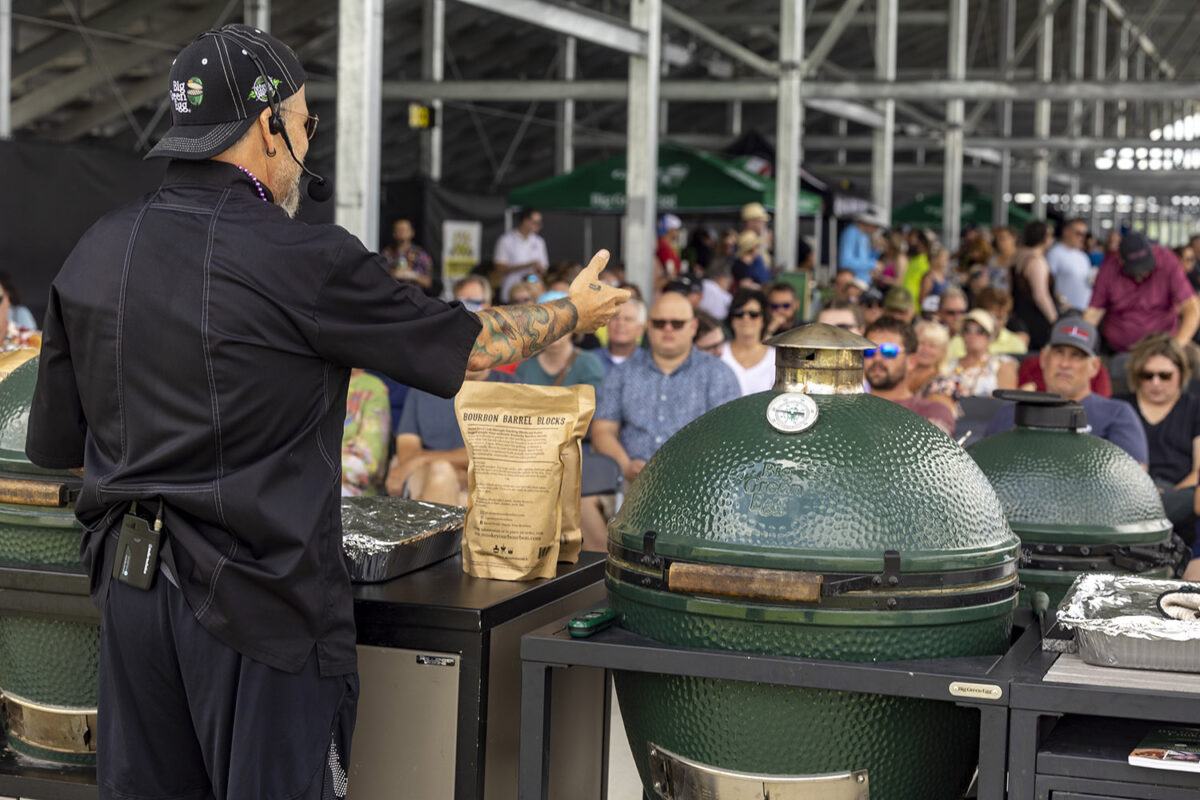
(197, 352)
(1140, 290)
(1069, 362)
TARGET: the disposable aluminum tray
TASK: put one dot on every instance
(385, 537)
(1118, 624)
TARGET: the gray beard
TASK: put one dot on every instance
(291, 200)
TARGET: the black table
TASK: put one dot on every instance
(1072, 726)
(986, 687)
(440, 608)
(437, 608)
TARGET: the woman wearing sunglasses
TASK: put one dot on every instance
(752, 361)
(1158, 374)
(980, 372)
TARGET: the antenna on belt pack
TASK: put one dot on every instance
(136, 560)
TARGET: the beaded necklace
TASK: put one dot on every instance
(257, 185)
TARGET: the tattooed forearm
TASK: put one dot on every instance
(513, 333)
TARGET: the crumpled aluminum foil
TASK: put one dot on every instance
(1118, 624)
(384, 537)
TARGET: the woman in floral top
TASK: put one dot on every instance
(366, 436)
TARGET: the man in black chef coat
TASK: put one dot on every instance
(197, 351)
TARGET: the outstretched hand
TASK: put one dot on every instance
(596, 301)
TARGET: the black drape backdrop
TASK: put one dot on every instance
(54, 192)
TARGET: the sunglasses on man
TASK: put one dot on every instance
(675, 324)
(743, 312)
(885, 350)
(310, 122)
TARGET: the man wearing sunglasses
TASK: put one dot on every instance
(886, 367)
(656, 391)
(784, 305)
(1069, 362)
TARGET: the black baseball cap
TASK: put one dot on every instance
(1137, 256)
(217, 89)
(685, 284)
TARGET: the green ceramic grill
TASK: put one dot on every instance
(48, 659)
(815, 521)
(1078, 503)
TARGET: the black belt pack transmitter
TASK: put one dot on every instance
(136, 561)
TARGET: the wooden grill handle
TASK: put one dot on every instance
(33, 493)
(749, 582)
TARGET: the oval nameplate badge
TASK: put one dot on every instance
(977, 691)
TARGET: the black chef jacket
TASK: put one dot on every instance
(197, 348)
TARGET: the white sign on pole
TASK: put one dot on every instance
(462, 247)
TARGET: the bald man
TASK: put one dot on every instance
(647, 398)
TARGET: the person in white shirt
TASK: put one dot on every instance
(1070, 265)
(751, 361)
(521, 251)
(716, 290)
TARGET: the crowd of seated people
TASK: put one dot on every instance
(1001, 309)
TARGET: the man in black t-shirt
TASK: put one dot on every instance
(197, 353)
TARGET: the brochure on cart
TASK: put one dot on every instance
(1169, 747)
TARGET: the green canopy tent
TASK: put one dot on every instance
(976, 210)
(688, 181)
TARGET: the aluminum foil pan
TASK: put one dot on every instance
(1118, 624)
(384, 537)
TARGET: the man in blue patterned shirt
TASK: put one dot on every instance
(645, 400)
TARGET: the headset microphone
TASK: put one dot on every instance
(319, 189)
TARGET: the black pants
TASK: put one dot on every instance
(183, 716)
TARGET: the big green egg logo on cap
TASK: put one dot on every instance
(259, 90)
(195, 91)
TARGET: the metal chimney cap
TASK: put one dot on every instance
(819, 336)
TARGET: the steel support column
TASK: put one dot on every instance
(360, 71)
(1041, 114)
(564, 140)
(641, 172)
(1122, 77)
(1100, 70)
(883, 139)
(1078, 66)
(6, 48)
(433, 66)
(788, 132)
(1008, 38)
(257, 14)
(1139, 108)
(956, 70)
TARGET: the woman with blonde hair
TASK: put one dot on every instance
(928, 377)
(893, 261)
(979, 372)
(1158, 374)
